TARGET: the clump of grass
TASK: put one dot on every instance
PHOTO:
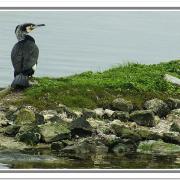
(135, 82)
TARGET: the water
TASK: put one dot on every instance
(77, 41)
(47, 160)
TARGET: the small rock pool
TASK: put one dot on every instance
(44, 159)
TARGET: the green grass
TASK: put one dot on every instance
(135, 82)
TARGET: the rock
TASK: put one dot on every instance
(3, 120)
(99, 112)
(29, 138)
(157, 147)
(172, 137)
(81, 127)
(39, 119)
(159, 107)
(82, 147)
(175, 126)
(172, 79)
(107, 114)
(48, 114)
(25, 116)
(121, 104)
(124, 130)
(120, 115)
(57, 146)
(173, 103)
(11, 143)
(12, 130)
(69, 112)
(88, 113)
(144, 118)
(122, 148)
(173, 116)
(132, 131)
(54, 132)
(100, 126)
(109, 140)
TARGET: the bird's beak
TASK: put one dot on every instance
(38, 25)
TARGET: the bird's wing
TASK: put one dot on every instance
(24, 55)
(17, 57)
(30, 54)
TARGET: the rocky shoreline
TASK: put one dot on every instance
(120, 128)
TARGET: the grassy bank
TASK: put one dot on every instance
(135, 82)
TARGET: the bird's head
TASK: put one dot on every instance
(23, 29)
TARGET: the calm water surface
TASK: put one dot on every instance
(73, 42)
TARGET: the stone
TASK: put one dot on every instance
(29, 138)
(100, 126)
(174, 115)
(107, 114)
(144, 118)
(12, 130)
(158, 106)
(25, 116)
(172, 137)
(99, 112)
(121, 148)
(54, 132)
(173, 103)
(57, 146)
(39, 119)
(120, 115)
(121, 104)
(157, 147)
(11, 143)
(48, 114)
(88, 113)
(175, 126)
(80, 127)
(3, 120)
(125, 130)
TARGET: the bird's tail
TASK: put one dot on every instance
(20, 81)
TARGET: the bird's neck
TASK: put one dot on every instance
(22, 37)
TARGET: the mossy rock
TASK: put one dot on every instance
(175, 126)
(12, 130)
(144, 118)
(29, 138)
(25, 116)
(157, 147)
(54, 132)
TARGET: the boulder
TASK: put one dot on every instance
(124, 130)
(158, 106)
(57, 146)
(88, 113)
(121, 104)
(99, 112)
(48, 114)
(54, 132)
(80, 127)
(174, 115)
(144, 118)
(132, 131)
(173, 103)
(39, 119)
(175, 126)
(3, 120)
(120, 115)
(157, 147)
(100, 126)
(25, 116)
(12, 130)
(29, 138)
(172, 137)
(108, 114)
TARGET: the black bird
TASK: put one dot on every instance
(24, 55)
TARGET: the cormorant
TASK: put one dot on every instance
(24, 55)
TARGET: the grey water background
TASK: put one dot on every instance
(77, 41)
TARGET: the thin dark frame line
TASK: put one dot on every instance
(89, 8)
